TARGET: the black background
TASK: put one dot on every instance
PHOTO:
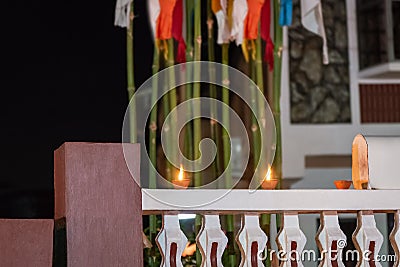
(63, 79)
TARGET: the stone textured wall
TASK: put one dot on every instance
(319, 93)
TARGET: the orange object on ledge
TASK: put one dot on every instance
(269, 184)
(181, 184)
(342, 184)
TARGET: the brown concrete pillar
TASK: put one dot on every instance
(26, 242)
(98, 204)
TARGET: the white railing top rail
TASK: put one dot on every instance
(268, 201)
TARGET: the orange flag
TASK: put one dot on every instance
(164, 20)
(252, 19)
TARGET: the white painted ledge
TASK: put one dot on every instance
(389, 70)
(239, 201)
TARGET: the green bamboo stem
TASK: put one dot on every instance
(173, 137)
(256, 75)
(166, 103)
(265, 218)
(254, 123)
(196, 87)
(230, 226)
(196, 108)
(153, 153)
(153, 120)
(213, 89)
(276, 97)
(277, 165)
(166, 110)
(260, 85)
(131, 78)
(225, 116)
(188, 142)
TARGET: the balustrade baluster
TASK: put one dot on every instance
(395, 238)
(330, 240)
(211, 241)
(252, 241)
(291, 241)
(171, 241)
(367, 239)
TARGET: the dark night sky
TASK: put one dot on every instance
(63, 68)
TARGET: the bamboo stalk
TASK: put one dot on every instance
(153, 120)
(277, 165)
(196, 86)
(230, 226)
(225, 115)
(276, 97)
(131, 78)
(167, 127)
(173, 137)
(213, 89)
(153, 153)
(188, 143)
(260, 85)
(265, 218)
(196, 108)
(166, 104)
(255, 129)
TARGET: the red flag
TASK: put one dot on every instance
(266, 35)
(177, 23)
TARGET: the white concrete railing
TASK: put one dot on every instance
(290, 240)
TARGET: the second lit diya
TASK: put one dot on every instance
(181, 182)
(269, 183)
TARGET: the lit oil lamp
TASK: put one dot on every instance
(269, 182)
(181, 182)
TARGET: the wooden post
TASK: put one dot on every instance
(26, 242)
(100, 202)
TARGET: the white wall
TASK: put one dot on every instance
(327, 139)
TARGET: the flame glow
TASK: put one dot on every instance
(180, 175)
(269, 173)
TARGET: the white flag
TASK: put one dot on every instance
(223, 31)
(312, 20)
(154, 10)
(122, 11)
(238, 15)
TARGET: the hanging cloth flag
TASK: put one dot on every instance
(164, 20)
(285, 12)
(122, 11)
(230, 16)
(153, 7)
(266, 34)
(238, 15)
(312, 20)
(251, 27)
(252, 19)
(228, 7)
(177, 25)
(219, 9)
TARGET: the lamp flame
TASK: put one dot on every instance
(269, 173)
(180, 175)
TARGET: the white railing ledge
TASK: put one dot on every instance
(156, 201)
